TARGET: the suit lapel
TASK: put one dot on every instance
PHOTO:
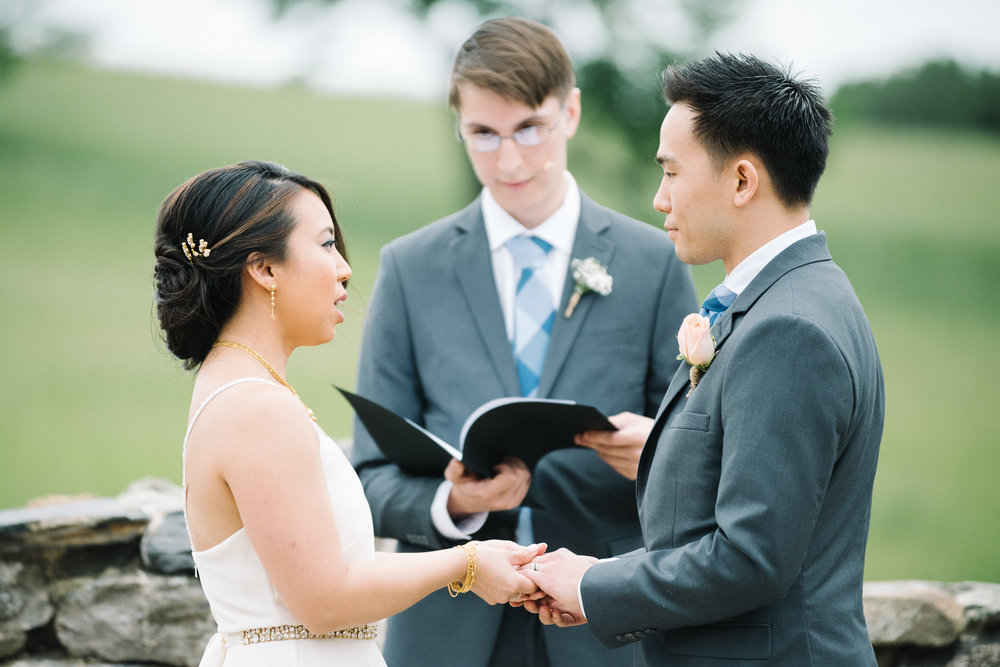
(473, 272)
(590, 241)
(678, 385)
(676, 391)
(805, 251)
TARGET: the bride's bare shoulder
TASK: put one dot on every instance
(248, 415)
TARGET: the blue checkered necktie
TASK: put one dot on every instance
(716, 302)
(534, 311)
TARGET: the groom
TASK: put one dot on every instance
(755, 485)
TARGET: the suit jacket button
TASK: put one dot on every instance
(619, 638)
(629, 636)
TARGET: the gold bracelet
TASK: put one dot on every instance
(472, 560)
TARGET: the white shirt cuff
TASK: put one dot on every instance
(464, 528)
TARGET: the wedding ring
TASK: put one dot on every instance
(534, 566)
(516, 597)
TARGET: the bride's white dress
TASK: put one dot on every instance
(241, 595)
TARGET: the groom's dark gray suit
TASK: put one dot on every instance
(435, 349)
(755, 492)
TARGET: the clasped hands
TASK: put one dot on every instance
(509, 573)
(557, 577)
(545, 584)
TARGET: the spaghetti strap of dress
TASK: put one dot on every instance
(197, 413)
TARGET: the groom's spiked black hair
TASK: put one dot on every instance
(743, 104)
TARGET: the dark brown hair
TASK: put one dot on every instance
(239, 210)
(517, 59)
(743, 104)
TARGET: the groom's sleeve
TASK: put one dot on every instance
(579, 586)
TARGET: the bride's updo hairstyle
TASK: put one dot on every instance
(206, 231)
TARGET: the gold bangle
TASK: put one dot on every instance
(472, 560)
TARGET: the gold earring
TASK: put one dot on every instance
(273, 287)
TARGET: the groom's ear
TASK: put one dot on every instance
(747, 178)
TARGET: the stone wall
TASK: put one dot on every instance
(102, 581)
(110, 581)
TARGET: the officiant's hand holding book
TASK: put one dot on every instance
(471, 493)
(523, 428)
(620, 449)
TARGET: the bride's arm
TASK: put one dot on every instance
(496, 578)
(268, 456)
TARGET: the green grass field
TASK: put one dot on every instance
(90, 400)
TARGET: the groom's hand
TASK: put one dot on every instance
(558, 574)
(620, 449)
(471, 493)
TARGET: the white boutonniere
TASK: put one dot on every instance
(588, 276)
(697, 346)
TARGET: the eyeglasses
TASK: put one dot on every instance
(527, 136)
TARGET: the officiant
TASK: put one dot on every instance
(533, 289)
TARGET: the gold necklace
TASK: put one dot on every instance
(270, 369)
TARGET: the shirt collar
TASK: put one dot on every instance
(747, 270)
(559, 229)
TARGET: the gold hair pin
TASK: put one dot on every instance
(190, 249)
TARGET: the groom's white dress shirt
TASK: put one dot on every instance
(747, 270)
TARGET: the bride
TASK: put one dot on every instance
(249, 266)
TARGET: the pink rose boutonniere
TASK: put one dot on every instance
(697, 346)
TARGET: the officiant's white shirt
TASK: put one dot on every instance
(559, 231)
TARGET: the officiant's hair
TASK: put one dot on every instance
(230, 213)
(516, 58)
(742, 104)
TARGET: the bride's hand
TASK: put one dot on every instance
(498, 580)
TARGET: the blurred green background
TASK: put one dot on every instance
(90, 400)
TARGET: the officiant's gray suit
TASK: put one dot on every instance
(435, 348)
(755, 493)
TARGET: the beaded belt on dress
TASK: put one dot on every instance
(281, 632)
